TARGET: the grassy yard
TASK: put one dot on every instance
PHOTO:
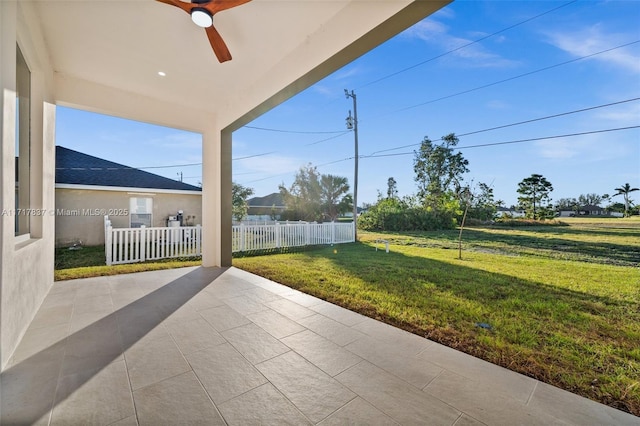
(562, 303)
(90, 262)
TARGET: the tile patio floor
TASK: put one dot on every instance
(222, 346)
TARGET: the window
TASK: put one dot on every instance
(23, 145)
(140, 212)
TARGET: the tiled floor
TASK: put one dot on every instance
(222, 346)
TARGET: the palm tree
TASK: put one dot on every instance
(333, 190)
(625, 190)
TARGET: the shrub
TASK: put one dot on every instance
(399, 215)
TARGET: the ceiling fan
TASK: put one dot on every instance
(202, 12)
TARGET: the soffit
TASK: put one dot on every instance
(124, 44)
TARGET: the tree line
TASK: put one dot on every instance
(441, 199)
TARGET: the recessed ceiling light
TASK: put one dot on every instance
(162, 73)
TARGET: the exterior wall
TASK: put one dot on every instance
(26, 261)
(80, 212)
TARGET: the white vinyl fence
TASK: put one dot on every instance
(297, 234)
(130, 245)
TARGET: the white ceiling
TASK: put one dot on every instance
(279, 47)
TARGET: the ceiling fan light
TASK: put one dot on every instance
(201, 17)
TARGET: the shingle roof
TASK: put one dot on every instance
(73, 167)
(270, 200)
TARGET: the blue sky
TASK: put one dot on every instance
(530, 64)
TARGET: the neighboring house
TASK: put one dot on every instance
(567, 213)
(588, 210)
(591, 210)
(506, 212)
(88, 188)
(264, 208)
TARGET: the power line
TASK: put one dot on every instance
(519, 123)
(292, 131)
(284, 174)
(514, 141)
(344, 132)
(412, 67)
(165, 167)
(253, 156)
(464, 45)
(510, 78)
(128, 168)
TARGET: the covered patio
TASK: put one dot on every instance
(147, 61)
(223, 346)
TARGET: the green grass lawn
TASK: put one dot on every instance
(90, 262)
(563, 302)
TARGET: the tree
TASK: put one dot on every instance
(438, 169)
(567, 204)
(302, 198)
(534, 191)
(590, 199)
(239, 196)
(314, 197)
(333, 196)
(484, 204)
(392, 188)
(624, 190)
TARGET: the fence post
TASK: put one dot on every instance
(108, 243)
(242, 236)
(198, 232)
(143, 243)
(307, 233)
(333, 233)
(277, 235)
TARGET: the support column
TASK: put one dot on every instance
(216, 198)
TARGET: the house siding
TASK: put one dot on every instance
(79, 212)
(27, 262)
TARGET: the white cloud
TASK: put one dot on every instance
(436, 33)
(587, 41)
(346, 73)
(498, 104)
(586, 149)
(270, 164)
(324, 90)
(622, 115)
(180, 140)
(556, 150)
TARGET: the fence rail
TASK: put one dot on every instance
(280, 235)
(130, 245)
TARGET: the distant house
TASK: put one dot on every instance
(265, 208)
(591, 210)
(588, 210)
(87, 188)
(566, 213)
(508, 212)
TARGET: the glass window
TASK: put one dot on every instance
(23, 145)
(141, 210)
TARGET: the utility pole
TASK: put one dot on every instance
(180, 174)
(352, 123)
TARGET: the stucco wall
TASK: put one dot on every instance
(80, 212)
(27, 261)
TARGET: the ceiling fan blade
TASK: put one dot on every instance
(219, 47)
(215, 6)
(182, 5)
